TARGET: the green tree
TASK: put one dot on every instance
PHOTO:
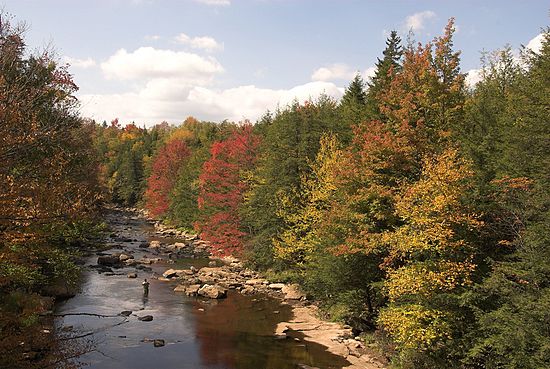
(291, 142)
(513, 302)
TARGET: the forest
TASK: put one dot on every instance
(416, 209)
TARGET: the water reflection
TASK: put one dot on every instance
(237, 333)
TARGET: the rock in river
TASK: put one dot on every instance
(212, 292)
(145, 318)
(154, 244)
(124, 257)
(158, 343)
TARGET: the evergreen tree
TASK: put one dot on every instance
(386, 68)
(352, 108)
(514, 301)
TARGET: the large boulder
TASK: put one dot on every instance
(170, 273)
(109, 260)
(180, 288)
(212, 292)
(192, 290)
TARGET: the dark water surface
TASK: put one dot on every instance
(237, 332)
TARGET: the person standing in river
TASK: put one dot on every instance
(145, 285)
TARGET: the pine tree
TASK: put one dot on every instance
(386, 68)
(352, 108)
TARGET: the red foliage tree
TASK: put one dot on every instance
(222, 186)
(164, 170)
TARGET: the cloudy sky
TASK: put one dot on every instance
(153, 60)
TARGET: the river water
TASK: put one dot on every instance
(236, 332)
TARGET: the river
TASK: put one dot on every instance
(236, 332)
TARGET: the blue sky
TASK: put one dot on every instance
(153, 60)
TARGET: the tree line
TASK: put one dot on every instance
(415, 209)
(49, 195)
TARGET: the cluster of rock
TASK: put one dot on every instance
(189, 248)
(214, 282)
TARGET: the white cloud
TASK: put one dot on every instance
(416, 22)
(338, 71)
(473, 77)
(535, 43)
(204, 43)
(149, 63)
(79, 63)
(171, 85)
(214, 2)
(170, 100)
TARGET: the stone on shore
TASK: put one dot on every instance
(60, 289)
(256, 281)
(276, 286)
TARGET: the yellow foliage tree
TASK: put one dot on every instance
(428, 254)
(303, 212)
